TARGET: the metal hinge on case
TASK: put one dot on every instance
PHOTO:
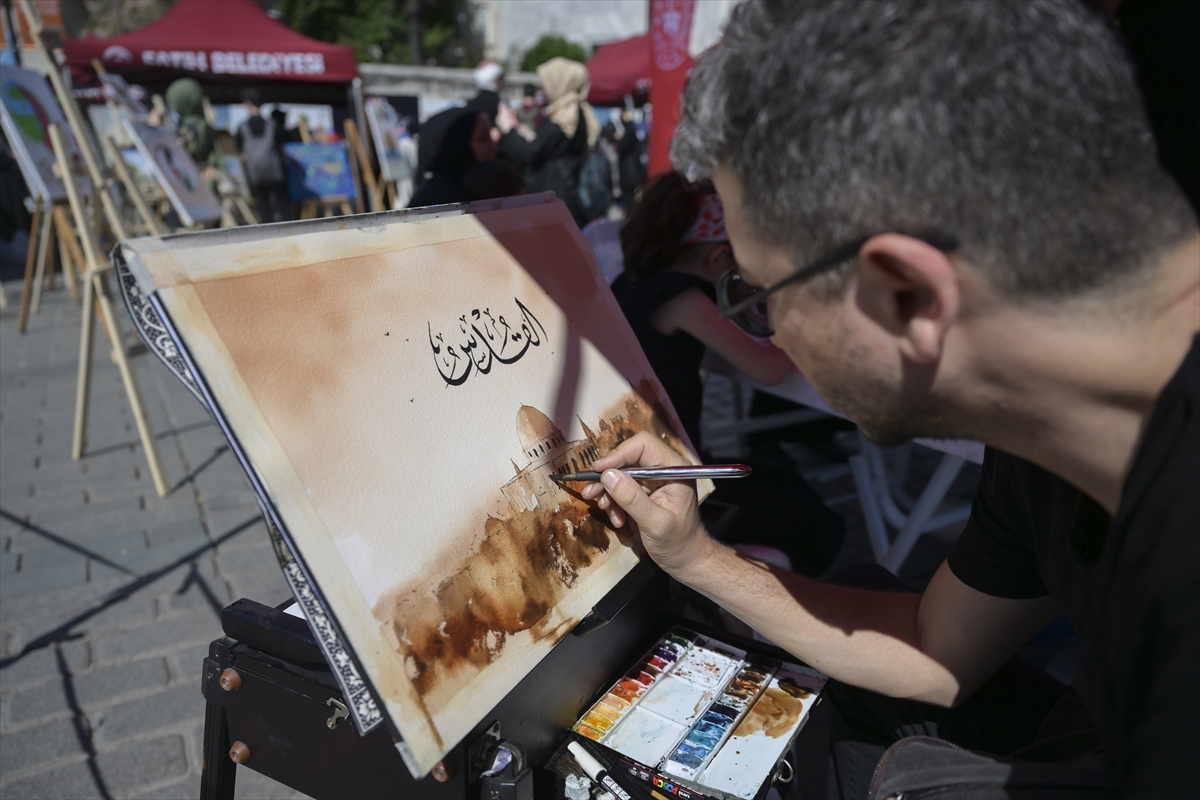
(339, 712)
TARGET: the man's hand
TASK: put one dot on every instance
(663, 513)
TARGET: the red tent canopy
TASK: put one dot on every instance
(618, 69)
(231, 41)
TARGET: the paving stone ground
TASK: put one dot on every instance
(109, 594)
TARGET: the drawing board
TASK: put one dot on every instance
(318, 171)
(399, 393)
(27, 110)
(175, 171)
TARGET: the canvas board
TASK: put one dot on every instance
(318, 171)
(398, 392)
(387, 134)
(175, 171)
(27, 110)
(124, 97)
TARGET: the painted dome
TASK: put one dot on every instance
(537, 432)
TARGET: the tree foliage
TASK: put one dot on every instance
(378, 30)
(549, 47)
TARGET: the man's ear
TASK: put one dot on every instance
(911, 290)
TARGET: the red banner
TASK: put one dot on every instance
(670, 32)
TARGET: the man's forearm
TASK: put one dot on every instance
(864, 638)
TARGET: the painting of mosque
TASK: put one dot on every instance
(400, 387)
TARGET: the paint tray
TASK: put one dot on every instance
(749, 708)
(398, 388)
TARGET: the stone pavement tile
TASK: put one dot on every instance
(41, 665)
(62, 603)
(145, 715)
(193, 593)
(74, 780)
(8, 562)
(113, 547)
(184, 529)
(88, 689)
(48, 518)
(248, 523)
(122, 772)
(102, 617)
(33, 747)
(189, 661)
(260, 557)
(149, 559)
(263, 586)
(201, 625)
(53, 577)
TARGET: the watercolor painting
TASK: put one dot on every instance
(27, 110)
(403, 391)
(175, 171)
(318, 171)
(388, 134)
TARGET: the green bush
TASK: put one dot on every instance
(549, 47)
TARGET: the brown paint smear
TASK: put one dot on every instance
(448, 629)
(776, 711)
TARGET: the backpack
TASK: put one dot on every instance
(595, 185)
(263, 164)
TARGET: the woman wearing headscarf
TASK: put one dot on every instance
(186, 99)
(558, 150)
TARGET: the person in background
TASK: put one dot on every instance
(530, 112)
(555, 154)
(631, 161)
(260, 141)
(489, 79)
(463, 169)
(185, 99)
(675, 249)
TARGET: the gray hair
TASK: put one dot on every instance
(1015, 127)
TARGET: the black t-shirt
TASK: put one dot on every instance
(1130, 585)
(675, 358)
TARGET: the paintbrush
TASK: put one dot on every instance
(688, 472)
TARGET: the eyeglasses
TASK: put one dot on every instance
(746, 306)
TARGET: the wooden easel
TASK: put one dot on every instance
(358, 153)
(95, 294)
(333, 206)
(95, 289)
(47, 242)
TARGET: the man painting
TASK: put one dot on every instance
(993, 253)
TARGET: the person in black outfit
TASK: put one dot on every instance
(489, 78)
(466, 168)
(675, 246)
(995, 253)
(554, 155)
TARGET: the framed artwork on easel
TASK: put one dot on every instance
(27, 110)
(175, 171)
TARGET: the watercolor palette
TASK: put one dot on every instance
(704, 712)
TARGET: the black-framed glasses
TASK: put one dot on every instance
(746, 306)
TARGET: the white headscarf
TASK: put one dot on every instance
(566, 84)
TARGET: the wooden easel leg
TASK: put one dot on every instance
(247, 213)
(131, 389)
(67, 257)
(43, 253)
(66, 234)
(83, 380)
(30, 260)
